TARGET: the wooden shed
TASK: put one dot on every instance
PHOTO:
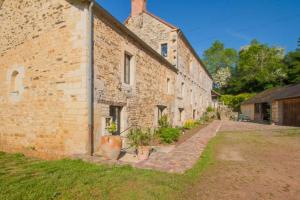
(279, 105)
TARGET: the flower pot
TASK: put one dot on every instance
(143, 152)
(110, 147)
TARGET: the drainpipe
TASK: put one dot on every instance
(90, 79)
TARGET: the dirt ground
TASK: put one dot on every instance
(261, 164)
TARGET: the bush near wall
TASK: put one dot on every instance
(235, 101)
(169, 135)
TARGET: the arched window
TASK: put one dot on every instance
(14, 82)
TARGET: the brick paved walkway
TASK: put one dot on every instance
(185, 155)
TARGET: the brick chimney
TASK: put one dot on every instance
(137, 7)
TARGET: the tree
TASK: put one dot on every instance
(259, 67)
(221, 77)
(217, 57)
(292, 61)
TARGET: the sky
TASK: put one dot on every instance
(234, 22)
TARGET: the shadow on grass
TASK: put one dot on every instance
(26, 178)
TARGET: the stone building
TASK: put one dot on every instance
(193, 82)
(68, 68)
(280, 105)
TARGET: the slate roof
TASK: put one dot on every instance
(278, 93)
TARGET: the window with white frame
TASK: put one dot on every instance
(127, 68)
(164, 49)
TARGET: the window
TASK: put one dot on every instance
(182, 89)
(192, 95)
(160, 111)
(168, 86)
(181, 114)
(194, 114)
(115, 114)
(14, 83)
(164, 49)
(127, 68)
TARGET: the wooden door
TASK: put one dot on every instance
(291, 112)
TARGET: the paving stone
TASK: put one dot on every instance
(185, 155)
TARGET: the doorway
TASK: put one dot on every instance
(266, 111)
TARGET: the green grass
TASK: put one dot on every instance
(26, 178)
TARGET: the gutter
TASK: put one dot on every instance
(90, 80)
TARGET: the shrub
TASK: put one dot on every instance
(138, 137)
(169, 135)
(189, 124)
(204, 119)
(210, 109)
(163, 122)
(112, 128)
(234, 101)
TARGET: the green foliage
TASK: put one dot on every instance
(218, 57)
(169, 135)
(166, 133)
(234, 101)
(139, 137)
(260, 67)
(75, 179)
(292, 61)
(189, 124)
(163, 122)
(255, 68)
(112, 128)
(210, 109)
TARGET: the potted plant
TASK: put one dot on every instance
(111, 145)
(141, 140)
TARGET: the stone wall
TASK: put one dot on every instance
(248, 110)
(196, 94)
(155, 33)
(43, 78)
(148, 89)
(197, 83)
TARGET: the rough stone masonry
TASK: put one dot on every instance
(43, 78)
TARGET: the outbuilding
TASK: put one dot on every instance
(280, 105)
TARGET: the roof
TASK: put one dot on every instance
(181, 34)
(156, 17)
(278, 93)
(121, 27)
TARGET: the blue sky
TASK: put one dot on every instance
(234, 22)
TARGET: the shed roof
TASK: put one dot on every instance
(278, 93)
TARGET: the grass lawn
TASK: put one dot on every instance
(26, 178)
(235, 165)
